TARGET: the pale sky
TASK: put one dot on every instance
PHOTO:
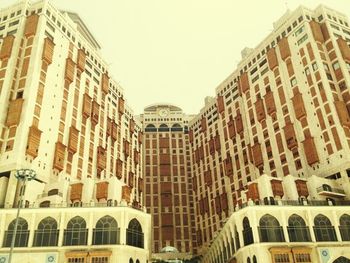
(178, 51)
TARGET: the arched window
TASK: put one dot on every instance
(176, 127)
(163, 128)
(297, 229)
(327, 187)
(134, 234)
(238, 244)
(254, 259)
(22, 233)
(342, 260)
(270, 230)
(137, 261)
(44, 204)
(248, 259)
(131, 261)
(247, 232)
(344, 227)
(324, 231)
(106, 231)
(150, 128)
(52, 192)
(47, 233)
(76, 232)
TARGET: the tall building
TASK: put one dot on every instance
(260, 174)
(277, 132)
(168, 185)
(63, 115)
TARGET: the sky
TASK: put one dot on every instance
(178, 51)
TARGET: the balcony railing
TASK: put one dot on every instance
(326, 188)
(134, 238)
(75, 237)
(65, 205)
(106, 236)
(345, 232)
(45, 237)
(299, 233)
(21, 239)
(271, 234)
(325, 233)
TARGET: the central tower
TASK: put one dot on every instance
(167, 173)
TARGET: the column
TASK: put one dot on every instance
(61, 227)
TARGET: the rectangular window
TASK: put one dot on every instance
(325, 66)
(314, 66)
(335, 65)
(293, 82)
(14, 23)
(302, 39)
(299, 31)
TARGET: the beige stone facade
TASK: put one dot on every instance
(63, 115)
(277, 135)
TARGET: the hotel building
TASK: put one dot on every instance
(63, 115)
(168, 185)
(277, 135)
(261, 174)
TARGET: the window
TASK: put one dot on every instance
(293, 82)
(344, 227)
(22, 233)
(307, 71)
(297, 230)
(324, 231)
(326, 66)
(134, 234)
(163, 128)
(270, 230)
(106, 231)
(76, 232)
(302, 39)
(342, 260)
(247, 232)
(299, 31)
(14, 23)
(335, 65)
(47, 233)
(314, 66)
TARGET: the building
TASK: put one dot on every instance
(64, 116)
(168, 185)
(260, 174)
(280, 120)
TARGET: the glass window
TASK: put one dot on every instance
(134, 234)
(297, 229)
(22, 233)
(270, 229)
(324, 231)
(106, 231)
(76, 232)
(47, 233)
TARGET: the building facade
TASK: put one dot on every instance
(283, 113)
(64, 116)
(168, 185)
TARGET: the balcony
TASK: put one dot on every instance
(327, 190)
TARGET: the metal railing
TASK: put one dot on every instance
(134, 238)
(299, 233)
(45, 237)
(21, 239)
(106, 236)
(330, 189)
(60, 194)
(325, 233)
(344, 232)
(65, 205)
(75, 237)
(271, 234)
